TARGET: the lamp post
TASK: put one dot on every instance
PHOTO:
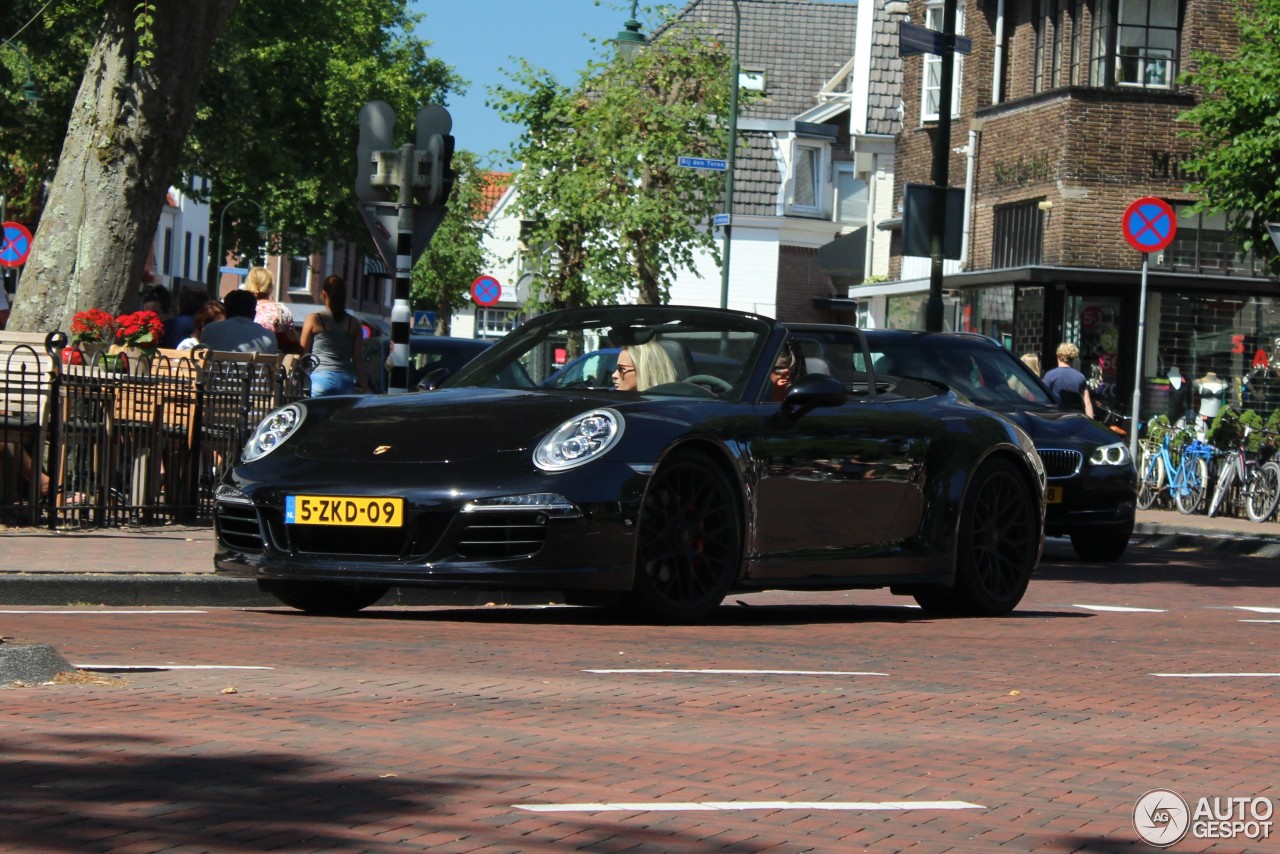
(222, 221)
(629, 41)
(29, 91)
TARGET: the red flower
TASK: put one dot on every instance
(142, 329)
(93, 326)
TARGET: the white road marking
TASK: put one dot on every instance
(112, 611)
(659, 806)
(122, 668)
(1122, 609)
(1258, 610)
(747, 672)
(1215, 675)
(1259, 621)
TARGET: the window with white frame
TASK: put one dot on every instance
(300, 274)
(1135, 43)
(495, 322)
(810, 161)
(852, 195)
(931, 91)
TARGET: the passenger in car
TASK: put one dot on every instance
(643, 366)
(788, 367)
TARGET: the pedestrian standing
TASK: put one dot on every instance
(1066, 379)
(336, 339)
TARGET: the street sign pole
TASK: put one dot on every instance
(1137, 364)
(941, 166)
(1149, 225)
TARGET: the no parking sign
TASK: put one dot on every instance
(15, 246)
(1149, 224)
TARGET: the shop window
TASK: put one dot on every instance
(1017, 235)
(1135, 43)
(932, 89)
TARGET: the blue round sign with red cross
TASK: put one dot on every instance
(15, 246)
(1149, 224)
(486, 291)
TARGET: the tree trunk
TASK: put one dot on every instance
(122, 149)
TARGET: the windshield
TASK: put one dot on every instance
(987, 375)
(682, 352)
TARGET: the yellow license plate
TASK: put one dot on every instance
(1053, 495)
(342, 510)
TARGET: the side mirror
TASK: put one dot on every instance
(812, 391)
(1071, 401)
(433, 379)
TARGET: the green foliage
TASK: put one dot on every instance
(607, 204)
(443, 275)
(145, 16)
(1228, 429)
(279, 106)
(1236, 128)
(277, 120)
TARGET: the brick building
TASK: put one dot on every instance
(1065, 112)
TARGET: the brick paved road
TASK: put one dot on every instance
(430, 729)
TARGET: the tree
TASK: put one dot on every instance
(456, 255)
(123, 144)
(275, 119)
(600, 183)
(1236, 129)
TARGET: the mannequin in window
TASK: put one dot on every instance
(1179, 398)
(1212, 392)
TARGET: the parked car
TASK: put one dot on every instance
(1092, 480)
(661, 501)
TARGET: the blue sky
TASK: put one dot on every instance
(479, 37)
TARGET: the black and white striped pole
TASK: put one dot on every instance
(403, 193)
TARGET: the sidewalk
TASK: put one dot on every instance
(173, 565)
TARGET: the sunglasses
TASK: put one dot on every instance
(623, 370)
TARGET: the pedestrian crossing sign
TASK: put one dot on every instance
(424, 321)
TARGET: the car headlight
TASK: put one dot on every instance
(579, 440)
(1110, 455)
(272, 432)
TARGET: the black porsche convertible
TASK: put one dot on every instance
(661, 500)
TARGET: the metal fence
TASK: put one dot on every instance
(146, 444)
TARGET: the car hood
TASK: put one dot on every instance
(1054, 428)
(448, 425)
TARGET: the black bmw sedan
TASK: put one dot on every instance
(1092, 480)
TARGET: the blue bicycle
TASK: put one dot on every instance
(1184, 481)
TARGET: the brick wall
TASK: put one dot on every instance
(1089, 151)
(800, 279)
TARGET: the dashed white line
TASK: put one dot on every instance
(1122, 609)
(125, 668)
(112, 611)
(659, 806)
(1257, 610)
(743, 672)
(1216, 675)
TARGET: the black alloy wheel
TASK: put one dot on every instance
(689, 541)
(325, 598)
(997, 549)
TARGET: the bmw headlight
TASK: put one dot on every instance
(1110, 455)
(272, 432)
(579, 440)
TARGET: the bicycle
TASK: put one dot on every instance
(1184, 481)
(1248, 483)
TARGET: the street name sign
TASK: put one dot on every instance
(703, 163)
(914, 40)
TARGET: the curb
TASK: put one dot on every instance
(177, 590)
(207, 590)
